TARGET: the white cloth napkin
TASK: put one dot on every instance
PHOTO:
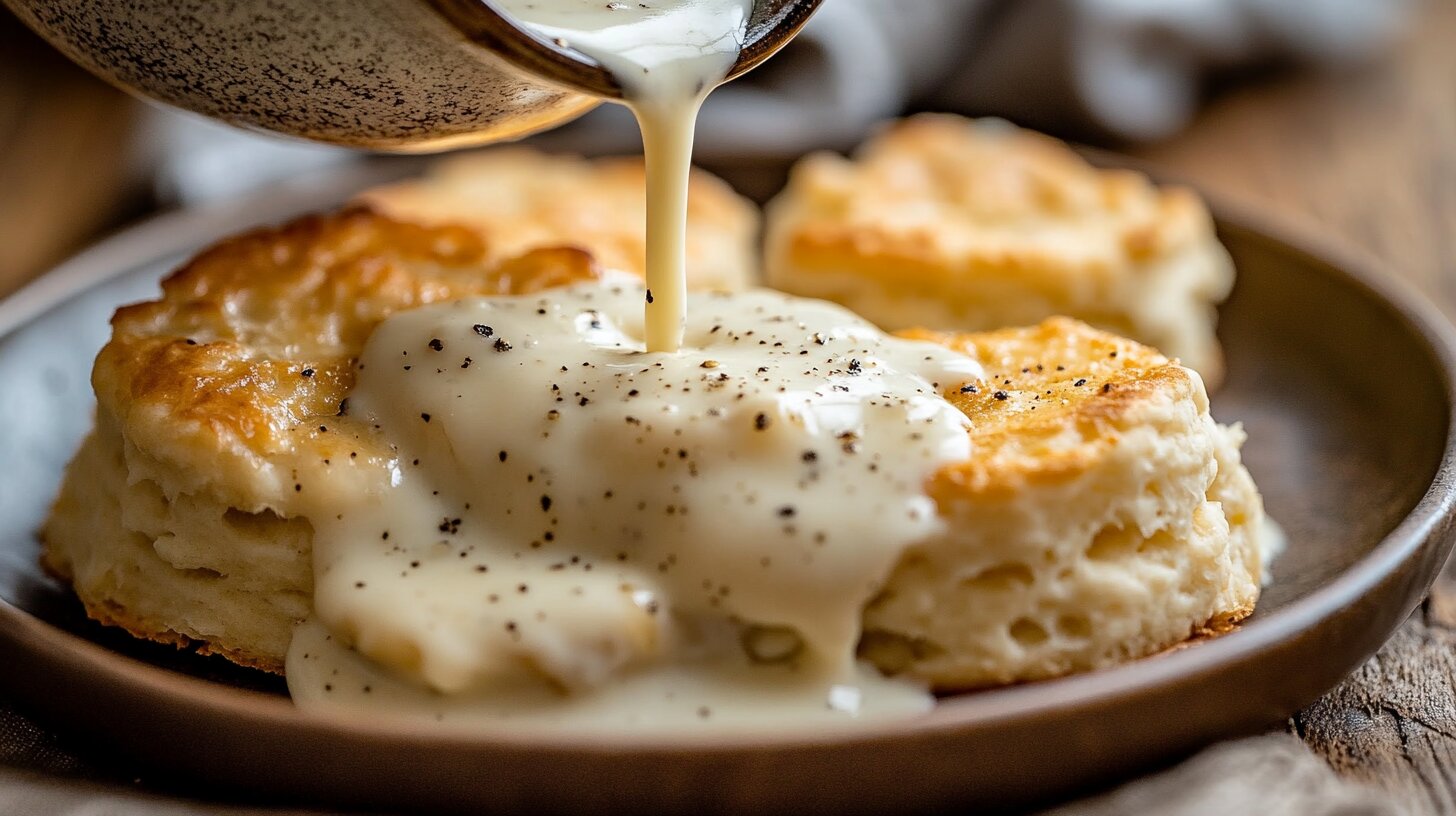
(1136, 69)
(1129, 68)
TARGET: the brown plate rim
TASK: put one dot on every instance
(172, 233)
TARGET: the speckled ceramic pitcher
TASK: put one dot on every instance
(406, 75)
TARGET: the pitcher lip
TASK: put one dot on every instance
(772, 25)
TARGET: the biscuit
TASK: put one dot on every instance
(1103, 516)
(520, 199)
(968, 225)
(178, 519)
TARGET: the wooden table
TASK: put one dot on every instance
(63, 143)
(1369, 155)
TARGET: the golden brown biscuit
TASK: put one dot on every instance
(219, 401)
(520, 199)
(968, 226)
(1103, 516)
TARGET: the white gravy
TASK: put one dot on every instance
(667, 56)
(583, 534)
(590, 526)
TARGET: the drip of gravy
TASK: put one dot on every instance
(605, 516)
(581, 534)
(667, 56)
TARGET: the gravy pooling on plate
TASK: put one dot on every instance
(582, 533)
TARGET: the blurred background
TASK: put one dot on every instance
(1338, 112)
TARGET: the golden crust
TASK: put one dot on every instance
(1103, 516)
(520, 199)
(1044, 382)
(992, 179)
(235, 330)
(249, 352)
(108, 613)
(971, 226)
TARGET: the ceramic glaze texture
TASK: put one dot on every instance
(369, 73)
(402, 75)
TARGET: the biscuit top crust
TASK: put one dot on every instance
(1056, 396)
(238, 374)
(520, 199)
(943, 190)
(239, 371)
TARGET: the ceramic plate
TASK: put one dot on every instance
(1342, 379)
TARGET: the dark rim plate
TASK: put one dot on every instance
(1342, 377)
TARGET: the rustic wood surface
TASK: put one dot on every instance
(1367, 154)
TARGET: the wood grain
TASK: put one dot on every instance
(1368, 155)
(1392, 724)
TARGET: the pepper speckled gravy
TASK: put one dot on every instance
(667, 56)
(583, 534)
